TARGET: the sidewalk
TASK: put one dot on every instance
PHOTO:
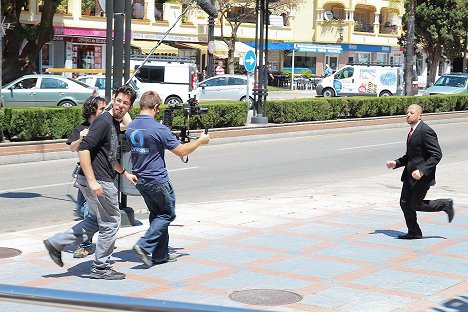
(334, 246)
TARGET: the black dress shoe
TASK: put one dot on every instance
(450, 211)
(410, 236)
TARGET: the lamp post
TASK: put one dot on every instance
(209, 60)
(260, 91)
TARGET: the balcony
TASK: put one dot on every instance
(363, 27)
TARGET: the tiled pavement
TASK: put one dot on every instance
(334, 245)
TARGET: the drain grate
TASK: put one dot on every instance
(9, 252)
(266, 297)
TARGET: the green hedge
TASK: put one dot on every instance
(313, 109)
(39, 123)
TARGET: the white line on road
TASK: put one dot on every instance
(366, 146)
(67, 183)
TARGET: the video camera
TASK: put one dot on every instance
(191, 108)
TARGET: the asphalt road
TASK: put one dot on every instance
(41, 194)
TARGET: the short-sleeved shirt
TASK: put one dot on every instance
(102, 141)
(148, 141)
(75, 134)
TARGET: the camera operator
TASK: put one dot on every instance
(148, 140)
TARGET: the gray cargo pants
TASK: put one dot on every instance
(104, 216)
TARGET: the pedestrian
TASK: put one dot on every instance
(92, 108)
(327, 71)
(148, 141)
(219, 70)
(98, 159)
(423, 153)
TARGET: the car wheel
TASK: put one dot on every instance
(385, 93)
(66, 103)
(173, 100)
(328, 92)
(251, 101)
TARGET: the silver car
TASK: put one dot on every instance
(224, 87)
(99, 82)
(449, 84)
(45, 90)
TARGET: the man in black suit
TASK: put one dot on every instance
(423, 153)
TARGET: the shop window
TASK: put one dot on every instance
(363, 57)
(138, 9)
(381, 57)
(87, 56)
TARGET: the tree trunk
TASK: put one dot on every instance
(409, 51)
(434, 59)
(18, 62)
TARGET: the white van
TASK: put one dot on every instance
(173, 78)
(363, 80)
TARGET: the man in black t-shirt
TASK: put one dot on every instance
(98, 160)
(92, 108)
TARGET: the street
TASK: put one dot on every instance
(42, 194)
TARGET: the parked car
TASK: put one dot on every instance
(99, 82)
(224, 87)
(449, 84)
(46, 90)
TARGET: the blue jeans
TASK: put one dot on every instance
(82, 209)
(160, 200)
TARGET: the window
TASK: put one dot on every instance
(381, 57)
(363, 57)
(216, 82)
(151, 74)
(52, 83)
(138, 9)
(233, 81)
(346, 72)
(158, 10)
(28, 83)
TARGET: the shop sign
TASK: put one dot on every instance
(85, 40)
(331, 49)
(367, 48)
(153, 36)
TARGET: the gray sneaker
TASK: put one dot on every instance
(54, 253)
(170, 258)
(142, 255)
(107, 274)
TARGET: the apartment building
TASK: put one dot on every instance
(319, 32)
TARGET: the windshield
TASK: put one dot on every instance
(451, 81)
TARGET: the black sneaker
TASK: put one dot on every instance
(142, 255)
(107, 274)
(170, 258)
(55, 254)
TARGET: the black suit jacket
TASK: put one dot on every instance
(422, 152)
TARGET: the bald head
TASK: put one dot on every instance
(413, 114)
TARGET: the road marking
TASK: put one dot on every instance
(67, 183)
(367, 146)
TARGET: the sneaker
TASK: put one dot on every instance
(170, 258)
(83, 252)
(107, 274)
(142, 255)
(54, 253)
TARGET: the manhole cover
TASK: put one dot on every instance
(266, 297)
(9, 252)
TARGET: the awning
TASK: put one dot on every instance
(274, 46)
(146, 47)
(221, 48)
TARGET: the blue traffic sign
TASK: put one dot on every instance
(250, 61)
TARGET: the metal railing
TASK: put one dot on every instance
(99, 302)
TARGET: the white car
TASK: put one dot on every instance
(224, 87)
(99, 81)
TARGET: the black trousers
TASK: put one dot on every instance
(412, 200)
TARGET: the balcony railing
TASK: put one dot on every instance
(361, 27)
(386, 29)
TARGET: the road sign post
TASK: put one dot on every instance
(250, 61)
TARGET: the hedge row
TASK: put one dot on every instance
(355, 107)
(26, 124)
(39, 123)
